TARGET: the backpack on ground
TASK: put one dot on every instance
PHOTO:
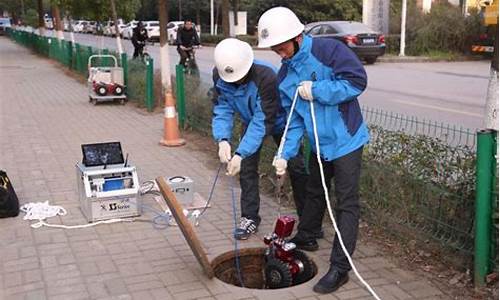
(9, 204)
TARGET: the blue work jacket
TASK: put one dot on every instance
(338, 79)
(257, 102)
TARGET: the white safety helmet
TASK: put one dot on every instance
(278, 25)
(233, 59)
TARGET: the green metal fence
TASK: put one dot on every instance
(138, 79)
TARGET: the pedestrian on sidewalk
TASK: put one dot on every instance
(250, 88)
(330, 75)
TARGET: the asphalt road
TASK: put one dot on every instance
(448, 92)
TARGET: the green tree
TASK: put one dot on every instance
(100, 10)
(31, 17)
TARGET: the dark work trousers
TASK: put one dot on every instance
(138, 48)
(345, 172)
(249, 183)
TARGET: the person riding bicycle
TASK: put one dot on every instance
(139, 37)
(187, 37)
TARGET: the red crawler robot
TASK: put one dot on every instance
(284, 264)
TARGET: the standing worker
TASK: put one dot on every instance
(330, 75)
(139, 38)
(187, 37)
(250, 88)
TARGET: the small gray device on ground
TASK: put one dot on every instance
(183, 188)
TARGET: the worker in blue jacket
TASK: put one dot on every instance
(249, 88)
(329, 74)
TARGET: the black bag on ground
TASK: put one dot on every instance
(9, 204)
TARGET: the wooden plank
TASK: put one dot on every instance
(185, 226)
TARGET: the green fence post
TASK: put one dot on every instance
(181, 95)
(78, 59)
(124, 64)
(49, 47)
(85, 63)
(89, 52)
(149, 84)
(484, 174)
(105, 61)
(69, 53)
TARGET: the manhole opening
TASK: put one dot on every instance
(259, 272)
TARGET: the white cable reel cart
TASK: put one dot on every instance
(105, 83)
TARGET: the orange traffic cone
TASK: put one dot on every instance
(171, 134)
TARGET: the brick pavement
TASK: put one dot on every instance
(44, 118)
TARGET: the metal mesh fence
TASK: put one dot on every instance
(418, 177)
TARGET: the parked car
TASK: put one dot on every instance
(366, 43)
(4, 24)
(90, 27)
(153, 29)
(129, 29)
(79, 26)
(109, 27)
(172, 28)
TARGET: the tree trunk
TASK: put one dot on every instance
(225, 18)
(198, 17)
(164, 57)
(117, 29)
(58, 26)
(491, 107)
(236, 7)
(41, 20)
(217, 12)
(180, 10)
(23, 11)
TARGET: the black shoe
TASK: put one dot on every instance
(331, 282)
(307, 245)
(246, 228)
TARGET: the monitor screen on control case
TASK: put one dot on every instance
(102, 154)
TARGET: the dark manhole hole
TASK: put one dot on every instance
(259, 272)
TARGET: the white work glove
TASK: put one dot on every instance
(224, 152)
(280, 165)
(234, 165)
(305, 90)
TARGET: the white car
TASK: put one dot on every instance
(79, 26)
(153, 29)
(91, 27)
(172, 28)
(128, 31)
(109, 27)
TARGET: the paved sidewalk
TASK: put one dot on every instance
(44, 118)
